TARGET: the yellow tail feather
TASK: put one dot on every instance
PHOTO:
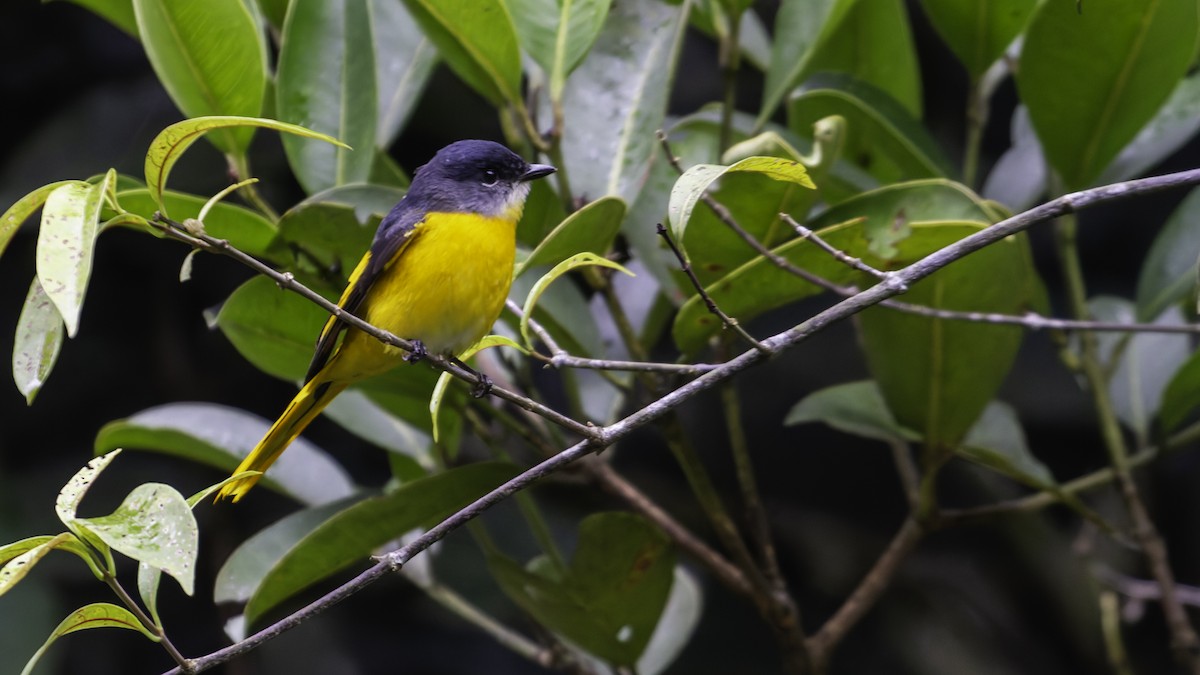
(307, 404)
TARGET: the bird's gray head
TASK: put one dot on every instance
(475, 177)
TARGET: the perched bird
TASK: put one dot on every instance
(438, 272)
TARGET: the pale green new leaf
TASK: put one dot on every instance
(37, 342)
(579, 260)
(95, 615)
(70, 223)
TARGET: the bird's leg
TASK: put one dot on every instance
(418, 352)
(483, 383)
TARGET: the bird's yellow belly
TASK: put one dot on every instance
(447, 290)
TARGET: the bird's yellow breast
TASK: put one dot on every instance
(446, 289)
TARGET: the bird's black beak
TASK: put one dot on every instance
(536, 171)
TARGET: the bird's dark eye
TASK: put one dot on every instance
(489, 177)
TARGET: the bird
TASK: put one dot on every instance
(437, 273)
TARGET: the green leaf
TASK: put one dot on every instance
(211, 58)
(978, 32)
(273, 329)
(95, 615)
(856, 408)
(404, 60)
(1145, 363)
(250, 563)
(66, 242)
(37, 342)
(1169, 272)
(694, 182)
(873, 44)
(25, 207)
(937, 375)
(873, 225)
(326, 82)
(153, 525)
(241, 227)
(801, 27)
(336, 226)
(1124, 58)
(881, 136)
(608, 148)
(590, 229)
(676, 625)
(612, 594)
(353, 534)
(753, 38)
(439, 389)
(558, 34)
(148, 580)
(1176, 123)
(170, 143)
(575, 261)
(118, 12)
(221, 436)
(17, 566)
(67, 502)
(1182, 395)
(562, 310)
(478, 41)
(997, 441)
(362, 416)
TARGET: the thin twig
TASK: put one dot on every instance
(185, 665)
(726, 320)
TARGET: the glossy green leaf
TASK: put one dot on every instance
(1168, 274)
(404, 60)
(878, 226)
(153, 525)
(856, 408)
(241, 227)
(170, 144)
(1145, 362)
(66, 242)
(37, 342)
(95, 615)
(612, 594)
(118, 12)
(273, 329)
(1123, 57)
(590, 229)
(608, 147)
(801, 27)
(978, 32)
(562, 310)
(326, 82)
(558, 33)
(246, 567)
(211, 57)
(336, 226)
(539, 287)
(221, 436)
(478, 41)
(937, 375)
(362, 416)
(355, 533)
(873, 44)
(694, 182)
(881, 136)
